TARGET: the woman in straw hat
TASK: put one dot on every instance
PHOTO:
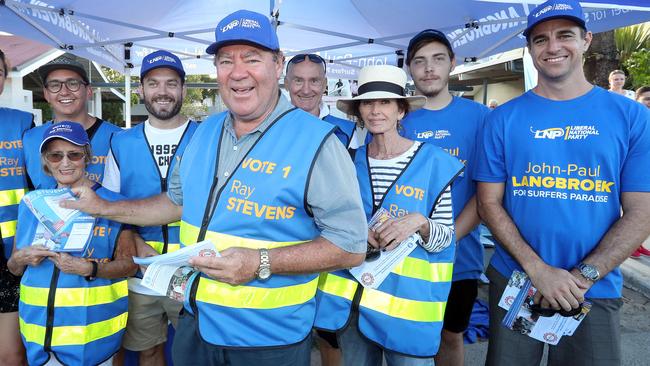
(400, 318)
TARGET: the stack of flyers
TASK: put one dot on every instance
(521, 317)
(374, 270)
(169, 274)
(60, 229)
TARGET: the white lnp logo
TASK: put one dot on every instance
(230, 26)
(580, 132)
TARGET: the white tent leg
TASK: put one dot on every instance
(127, 94)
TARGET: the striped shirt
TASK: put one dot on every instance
(383, 174)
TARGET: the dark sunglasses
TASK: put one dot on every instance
(548, 312)
(311, 56)
(55, 157)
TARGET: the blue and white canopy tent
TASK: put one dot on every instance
(348, 33)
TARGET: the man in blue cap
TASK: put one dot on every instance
(559, 163)
(276, 193)
(138, 166)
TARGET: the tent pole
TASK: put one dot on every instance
(127, 94)
(127, 84)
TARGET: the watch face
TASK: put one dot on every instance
(264, 273)
(590, 272)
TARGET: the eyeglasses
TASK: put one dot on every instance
(548, 312)
(73, 85)
(311, 56)
(55, 157)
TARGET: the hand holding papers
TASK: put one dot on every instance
(375, 269)
(168, 274)
(60, 229)
(524, 316)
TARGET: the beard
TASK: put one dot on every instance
(163, 114)
(430, 91)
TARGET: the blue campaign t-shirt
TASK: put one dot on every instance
(565, 165)
(455, 129)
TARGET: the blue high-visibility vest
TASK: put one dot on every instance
(405, 313)
(13, 182)
(261, 205)
(81, 322)
(140, 178)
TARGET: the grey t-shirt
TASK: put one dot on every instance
(333, 194)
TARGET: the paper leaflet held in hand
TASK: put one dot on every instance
(523, 317)
(60, 229)
(374, 270)
(169, 274)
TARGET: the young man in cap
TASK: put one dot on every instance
(453, 124)
(306, 81)
(558, 164)
(138, 166)
(257, 181)
(67, 89)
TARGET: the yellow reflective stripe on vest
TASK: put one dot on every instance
(223, 294)
(86, 296)
(76, 334)
(419, 311)
(337, 285)
(424, 270)
(11, 196)
(8, 228)
(158, 246)
(175, 223)
(189, 234)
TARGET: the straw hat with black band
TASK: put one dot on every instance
(381, 82)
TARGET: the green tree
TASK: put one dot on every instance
(601, 58)
(632, 39)
(638, 65)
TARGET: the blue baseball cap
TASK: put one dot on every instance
(72, 132)
(159, 59)
(244, 26)
(555, 9)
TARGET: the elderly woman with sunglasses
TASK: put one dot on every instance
(73, 306)
(401, 319)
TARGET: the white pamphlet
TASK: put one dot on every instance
(169, 274)
(373, 271)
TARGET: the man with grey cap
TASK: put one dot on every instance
(558, 166)
(257, 181)
(138, 166)
(67, 89)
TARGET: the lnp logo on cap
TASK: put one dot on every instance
(556, 7)
(162, 58)
(230, 26)
(61, 127)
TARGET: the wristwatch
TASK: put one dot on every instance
(589, 272)
(264, 271)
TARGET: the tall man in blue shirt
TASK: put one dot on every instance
(453, 124)
(558, 164)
